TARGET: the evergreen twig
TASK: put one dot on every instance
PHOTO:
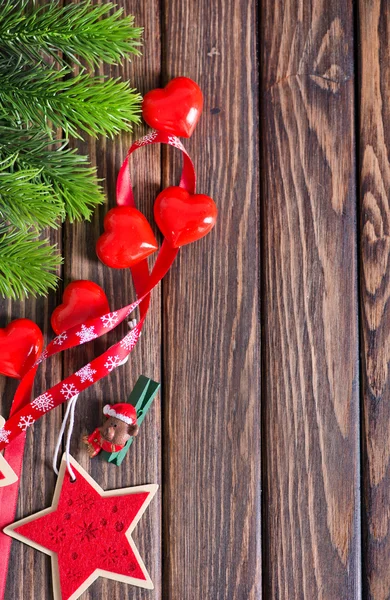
(73, 182)
(71, 32)
(42, 179)
(24, 201)
(96, 105)
(27, 265)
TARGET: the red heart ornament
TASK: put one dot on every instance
(174, 109)
(21, 343)
(184, 218)
(81, 300)
(128, 238)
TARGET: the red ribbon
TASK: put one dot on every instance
(24, 412)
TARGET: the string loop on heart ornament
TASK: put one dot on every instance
(124, 190)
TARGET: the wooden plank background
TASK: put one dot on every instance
(374, 185)
(279, 491)
(311, 494)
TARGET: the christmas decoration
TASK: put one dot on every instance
(87, 533)
(86, 373)
(20, 345)
(82, 300)
(97, 326)
(127, 240)
(184, 218)
(42, 181)
(112, 436)
(141, 397)
(121, 412)
(176, 108)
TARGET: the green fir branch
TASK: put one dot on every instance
(25, 201)
(42, 180)
(76, 31)
(95, 105)
(74, 182)
(28, 266)
(70, 177)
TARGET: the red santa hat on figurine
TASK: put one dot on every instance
(123, 412)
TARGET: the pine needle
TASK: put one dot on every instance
(41, 179)
(24, 201)
(68, 33)
(27, 265)
(96, 105)
(72, 181)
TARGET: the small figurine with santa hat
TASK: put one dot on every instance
(120, 426)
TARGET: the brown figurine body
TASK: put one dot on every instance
(120, 426)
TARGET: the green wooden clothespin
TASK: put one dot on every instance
(141, 397)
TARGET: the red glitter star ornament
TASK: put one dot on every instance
(87, 533)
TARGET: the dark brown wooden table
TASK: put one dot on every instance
(273, 458)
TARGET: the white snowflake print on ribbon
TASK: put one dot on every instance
(60, 339)
(86, 373)
(25, 422)
(69, 390)
(175, 142)
(86, 334)
(43, 357)
(110, 319)
(44, 402)
(149, 137)
(4, 435)
(112, 363)
(129, 341)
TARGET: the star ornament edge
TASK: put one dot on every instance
(150, 488)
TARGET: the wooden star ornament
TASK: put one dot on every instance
(87, 533)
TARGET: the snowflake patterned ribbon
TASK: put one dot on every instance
(25, 421)
(86, 373)
(44, 402)
(4, 435)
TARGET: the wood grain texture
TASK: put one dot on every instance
(211, 359)
(310, 333)
(374, 68)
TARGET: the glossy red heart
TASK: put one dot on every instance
(21, 343)
(174, 109)
(184, 218)
(128, 238)
(81, 300)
